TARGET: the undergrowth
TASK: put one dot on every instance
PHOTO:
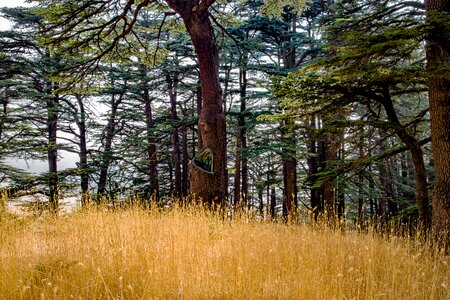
(192, 253)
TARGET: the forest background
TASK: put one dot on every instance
(326, 106)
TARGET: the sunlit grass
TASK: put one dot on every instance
(190, 254)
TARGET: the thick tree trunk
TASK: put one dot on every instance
(438, 55)
(212, 188)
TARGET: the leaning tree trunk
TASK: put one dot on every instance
(210, 187)
(84, 174)
(106, 158)
(417, 156)
(438, 55)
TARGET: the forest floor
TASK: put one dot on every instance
(133, 253)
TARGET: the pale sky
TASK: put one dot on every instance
(35, 166)
(4, 24)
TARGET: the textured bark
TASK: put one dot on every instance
(212, 188)
(287, 136)
(438, 54)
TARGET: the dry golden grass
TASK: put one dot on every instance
(188, 254)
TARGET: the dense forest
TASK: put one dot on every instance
(331, 110)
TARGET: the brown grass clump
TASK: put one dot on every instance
(190, 254)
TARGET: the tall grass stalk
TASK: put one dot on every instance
(192, 254)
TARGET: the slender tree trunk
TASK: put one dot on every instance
(107, 158)
(52, 152)
(172, 82)
(185, 161)
(360, 216)
(241, 173)
(417, 157)
(438, 55)
(151, 143)
(84, 173)
(316, 206)
(4, 115)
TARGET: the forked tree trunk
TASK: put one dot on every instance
(438, 55)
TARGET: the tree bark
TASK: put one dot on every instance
(438, 55)
(287, 134)
(211, 188)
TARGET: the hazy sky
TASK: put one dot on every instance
(4, 24)
(68, 159)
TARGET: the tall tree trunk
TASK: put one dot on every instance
(108, 137)
(212, 188)
(52, 150)
(151, 142)
(287, 134)
(360, 215)
(172, 82)
(313, 168)
(417, 156)
(184, 160)
(241, 173)
(438, 55)
(83, 166)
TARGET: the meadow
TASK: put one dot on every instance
(188, 253)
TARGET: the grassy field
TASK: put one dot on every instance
(188, 254)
